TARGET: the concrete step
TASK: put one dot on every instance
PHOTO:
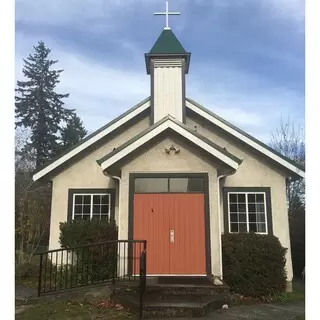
(174, 306)
(185, 290)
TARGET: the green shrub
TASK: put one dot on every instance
(253, 264)
(81, 232)
(94, 263)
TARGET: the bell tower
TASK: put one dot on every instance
(167, 64)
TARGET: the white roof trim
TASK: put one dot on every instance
(91, 141)
(157, 130)
(245, 139)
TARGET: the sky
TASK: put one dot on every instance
(247, 56)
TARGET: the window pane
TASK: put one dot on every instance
(104, 217)
(260, 197)
(251, 198)
(195, 185)
(252, 227)
(233, 217)
(77, 199)
(96, 208)
(105, 209)
(242, 218)
(242, 227)
(77, 217)
(252, 207)
(86, 208)
(145, 185)
(242, 198)
(260, 207)
(233, 208)
(232, 197)
(261, 227)
(186, 185)
(105, 199)
(96, 217)
(87, 199)
(86, 217)
(261, 218)
(96, 199)
(179, 185)
(252, 217)
(78, 208)
(234, 227)
(242, 208)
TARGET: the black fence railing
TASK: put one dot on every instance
(143, 279)
(110, 261)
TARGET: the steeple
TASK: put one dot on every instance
(167, 63)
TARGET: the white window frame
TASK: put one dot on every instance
(246, 193)
(91, 204)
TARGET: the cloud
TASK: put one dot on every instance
(287, 9)
(101, 91)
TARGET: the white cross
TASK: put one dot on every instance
(167, 13)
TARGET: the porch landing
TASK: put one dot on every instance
(173, 296)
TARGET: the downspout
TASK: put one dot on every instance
(219, 217)
(119, 190)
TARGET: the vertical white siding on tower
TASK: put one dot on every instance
(168, 92)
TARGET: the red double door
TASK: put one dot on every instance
(174, 227)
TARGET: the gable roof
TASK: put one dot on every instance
(166, 123)
(93, 138)
(167, 43)
(246, 138)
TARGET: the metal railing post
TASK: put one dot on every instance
(40, 276)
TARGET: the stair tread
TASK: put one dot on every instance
(180, 301)
(175, 304)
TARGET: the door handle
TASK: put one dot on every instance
(171, 236)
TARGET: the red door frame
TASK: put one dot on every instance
(132, 176)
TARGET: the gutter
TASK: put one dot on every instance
(219, 218)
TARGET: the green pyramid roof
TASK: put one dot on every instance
(167, 43)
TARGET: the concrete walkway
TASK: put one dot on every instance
(255, 312)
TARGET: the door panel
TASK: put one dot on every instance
(151, 223)
(187, 253)
(155, 215)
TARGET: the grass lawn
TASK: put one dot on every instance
(73, 310)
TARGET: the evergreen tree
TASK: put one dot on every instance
(38, 106)
(73, 132)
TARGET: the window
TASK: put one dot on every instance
(247, 212)
(91, 204)
(168, 185)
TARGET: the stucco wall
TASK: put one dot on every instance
(253, 172)
(156, 160)
(86, 174)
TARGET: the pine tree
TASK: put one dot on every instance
(73, 132)
(38, 106)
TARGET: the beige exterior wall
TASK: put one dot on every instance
(253, 172)
(85, 174)
(168, 91)
(156, 160)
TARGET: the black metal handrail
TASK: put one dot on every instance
(143, 279)
(90, 264)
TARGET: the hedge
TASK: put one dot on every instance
(253, 264)
(80, 232)
(96, 262)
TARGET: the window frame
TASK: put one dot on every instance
(91, 192)
(168, 182)
(247, 191)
